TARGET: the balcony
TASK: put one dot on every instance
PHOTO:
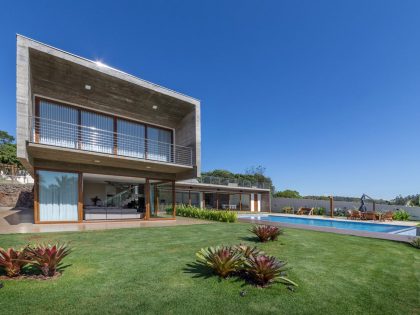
(62, 134)
(233, 182)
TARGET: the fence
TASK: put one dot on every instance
(11, 173)
(277, 205)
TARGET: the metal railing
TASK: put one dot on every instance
(233, 182)
(85, 138)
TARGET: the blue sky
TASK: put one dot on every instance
(324, 94)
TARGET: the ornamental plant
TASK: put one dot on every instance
(12, 261)
(416, 242)
(47, 257)
(247, 251)
(266, 232)
(223, 260)
(401, 215)
(205, 214)
(245, 262)
(264, 269)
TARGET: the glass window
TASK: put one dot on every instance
(97, 132)
(130, 138)
(161, 200)
(58, 196)
(246, 202)
(57, 125)
(159, 144)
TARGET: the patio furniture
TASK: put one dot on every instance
(289, 210)
(387, 216)
(305, 211)
(368, 215)
(229, 207)
(354, 215)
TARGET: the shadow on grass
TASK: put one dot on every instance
(253, 239)
(198, 270)
(33, 271)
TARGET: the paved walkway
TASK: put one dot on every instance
(21, 221)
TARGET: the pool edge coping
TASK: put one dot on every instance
(377, 235)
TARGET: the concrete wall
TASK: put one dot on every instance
(277, 204)
(51, 73)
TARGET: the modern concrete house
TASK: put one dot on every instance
(103, 144)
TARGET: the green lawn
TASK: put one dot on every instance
(146, 271)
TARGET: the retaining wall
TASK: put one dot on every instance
(16, 195)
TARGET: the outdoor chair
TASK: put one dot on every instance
(387, 216)
(354, 215)
(305, 211)
(368, 216)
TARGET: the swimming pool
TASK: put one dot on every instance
(344, 225)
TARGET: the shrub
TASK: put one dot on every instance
(416, 242)
(266, 232)
(213, 215)
(264, 269)
(319, 211)
(401, 215)
(223, 260)
(47, 257)
(12, 261)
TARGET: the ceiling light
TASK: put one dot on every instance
(154, 107)
(96, 161)
(88, 87)
(148, 167)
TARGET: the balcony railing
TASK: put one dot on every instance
(213, 180)
(85, 138)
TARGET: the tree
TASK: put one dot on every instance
(288, 194)
(254, 174)
(5, 138)
(8, 149)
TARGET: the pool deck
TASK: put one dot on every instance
(385, 236)
(21, 221)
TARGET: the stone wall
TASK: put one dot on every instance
(16, 195)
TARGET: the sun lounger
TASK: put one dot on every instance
(354, 215)
(305, 211)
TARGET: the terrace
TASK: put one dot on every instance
(61, 133)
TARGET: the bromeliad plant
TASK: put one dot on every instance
(47, 257)
(266, 232)
(264, 270)
(248, 251)
(416, 242)
(12, 261)
(223, 260)
(244, 261)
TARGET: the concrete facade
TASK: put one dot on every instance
(45, 71)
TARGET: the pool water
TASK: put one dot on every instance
(344, 225)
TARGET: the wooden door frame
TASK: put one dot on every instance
(79, 196)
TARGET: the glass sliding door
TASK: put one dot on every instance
(58, 195)
(246, 202)
(130, 139)
(161, 200)
(56, 125)
(159, 146)
(97, 132)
